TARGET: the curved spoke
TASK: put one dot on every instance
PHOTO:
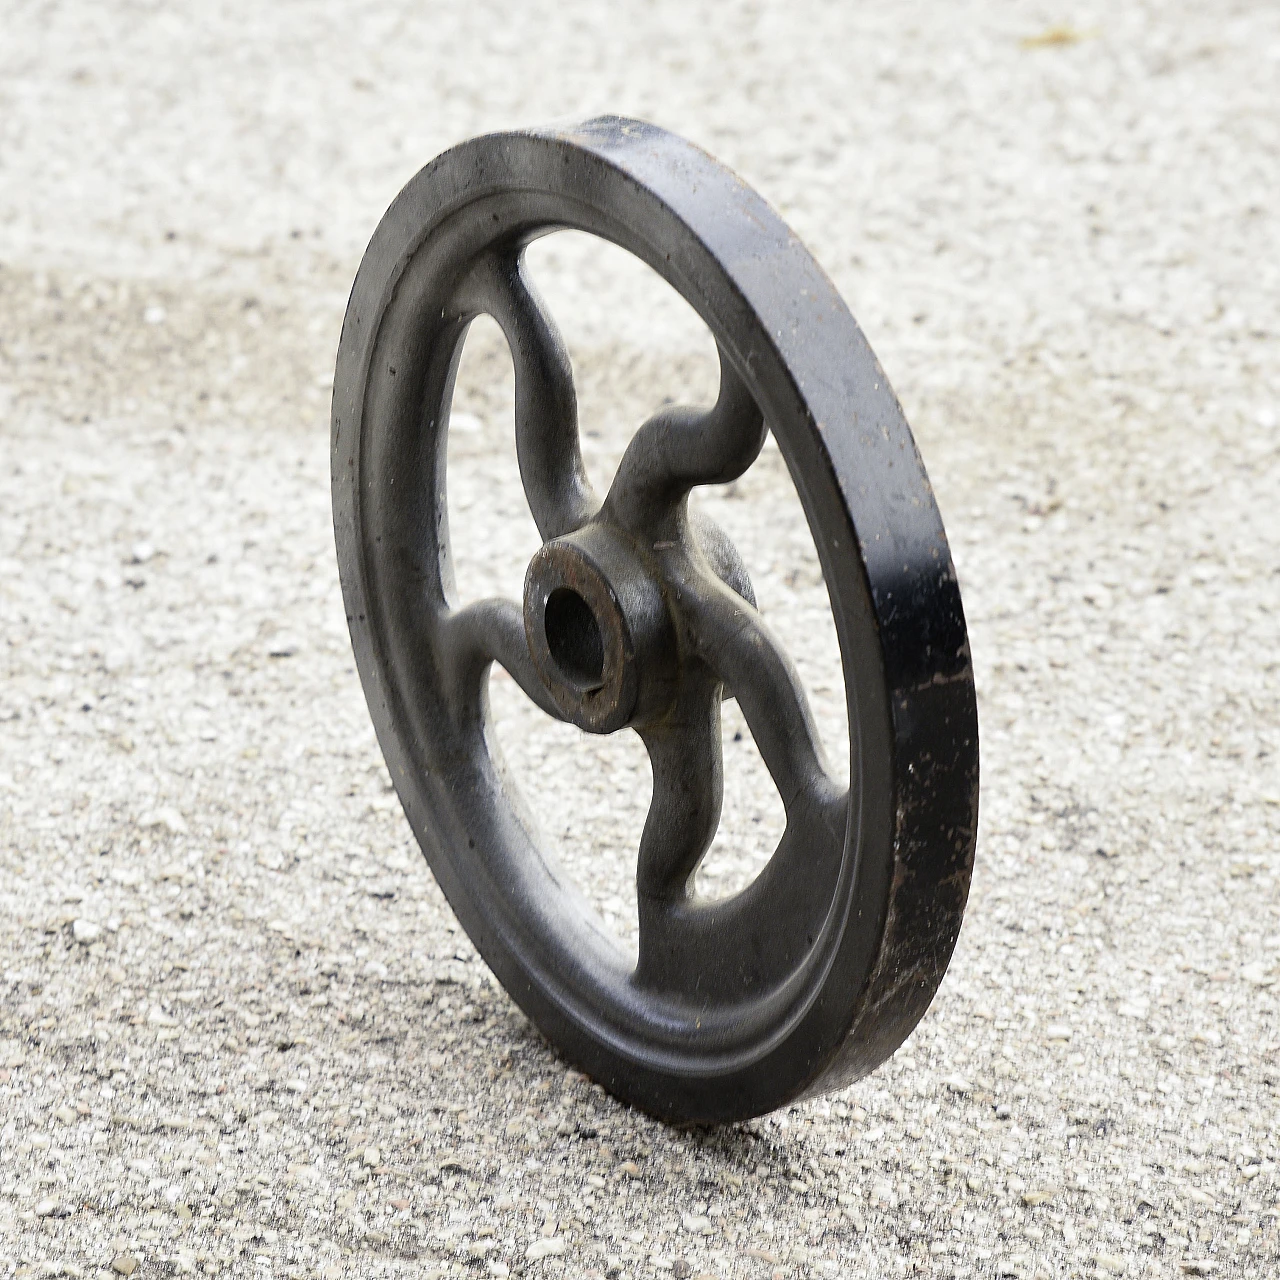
(688, 787)
(731, 637)
(555, 481)
(489, 631)
(679, 448)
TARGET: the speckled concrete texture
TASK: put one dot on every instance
(240, 1032)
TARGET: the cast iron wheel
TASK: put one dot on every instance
(634, 615)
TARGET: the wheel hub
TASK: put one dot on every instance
(599, 631)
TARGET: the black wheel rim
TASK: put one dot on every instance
(820, 968)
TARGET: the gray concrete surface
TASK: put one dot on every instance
(240, 1032)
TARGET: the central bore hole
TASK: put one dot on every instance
(574, 639)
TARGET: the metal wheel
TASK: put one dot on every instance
(635, 616)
